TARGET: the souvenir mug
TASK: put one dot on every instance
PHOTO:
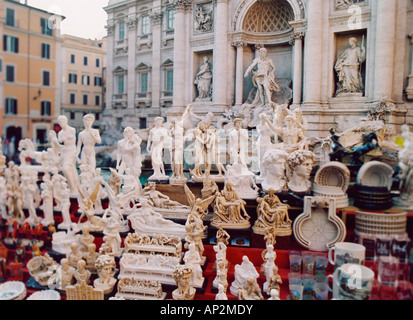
(346, 252)
(352, 282)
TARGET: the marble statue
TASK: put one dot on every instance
(274, 165)
(238, 143)
(67, 137)
(242, 272)
(105, 266)
(272, 213)
(177, 133)
(203, 81)
(250, 291)
(203, 19)
(242, 180)
(65, 206)
(263, 79)
(129, 153)
(155, 146)
(300, 165)
(86, 141)
(182, 275)
(67, 273)
(82, 274)
(193, 260)
(47, 195)
(30, 191)
(3, 198)
(221, 295)
(348, 68)
(229, 210)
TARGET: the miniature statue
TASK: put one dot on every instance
(105, 266)
(242, 272)
(158, 200)
(229, 210)
(194, 228)
(182, 276)
(129, 153)
(200, 152)
(155, 146)
(115, 182)
(58, 182)
(42, 269)
(250, 291)
(221, 295)
(242, 180)
(75, 255)
(112, 235)
(30, 189)
(263, 144)
(67, 137)
(269, 266)
(272, 213)
(3, 198)
(348, 68)
(87, 139)
(85, 239)
(12, 174)
(209, 188)
(15, 202)
(203, 81)
(238, 143)
(82, 274)
(177, 153)
(86, 205)
(370, 143)
(20, 252)
(273, 170)
(221, 265)
(338, 150)
(274, 295)
(90, 257)
(131, 184)
(65, 206)
(47, 195)
(300, 165)
(193, 260)
(67, 273)
(222, 235)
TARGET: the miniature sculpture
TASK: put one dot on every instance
(29, 188)
(115, 182)
(3, 198)
(177, 153)
(58, 181)
(86, 205)
(273, 279)
(155, 146)
(238, 143)
(47, 196)
(300, 165)
(182, 275)
(67, 137)
(85, 239)
(90, 257)
(348, 68)
(111, 233)
(200, 152)
(263, 145)
(194, 228)
(65, 206)
(130, 288)
(242, 272)
(273, 170)
(148, 221)
(272, 213)
(12, 174)
(83, 292)
(129, 153)
(82, 274)
(250, 291)
(75, 255)
(221, 295)
(15, 202)
(222, 235)
(42, 268)
(221, 265)
(229, 210)
(263, 79)
(67, 273)
(209, 187)
(105, 266)
(338, 150)
(87, 139)
(131, 188)
(274, 295)
(242, 180)
(193, 260)
(203, 81)
(158, 244)
(370, 143)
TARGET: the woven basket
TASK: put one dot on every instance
(380, 223)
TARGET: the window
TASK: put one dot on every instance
(45, 51)
(85, 61)
(144, 82)
(171, 18)
(97, 100)
(72, 59)
(45, 25)
(10, 73)
(1, 65)
(72, 98)
(45, 108)
(145, 25)
(97, 116)
(85, 99)
(97, 63)
(10, 44)
(98, 81)
(73, 78)
(85, 80)
(10, 106)
(10, 21)
(46, 78)
(120, 84)
(72, 115)
(142, 123)
(121, 30)
(169, 80)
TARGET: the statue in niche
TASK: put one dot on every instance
(203, 81)
(348, 68)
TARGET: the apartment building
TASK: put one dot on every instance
(82, 87)
(29, 71)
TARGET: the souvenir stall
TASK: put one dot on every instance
(274, 218)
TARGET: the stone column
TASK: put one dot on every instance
(221, 55)
(179, 53)
(298, 68)
(385, 46)
(131, 24)
(156, 59)
(239, 73)
(109, 69)
(313, 53)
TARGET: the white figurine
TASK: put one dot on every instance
(111, 232)
(300, 165)
(65, 206)
(263, 144)
(238, 143)
(129, 153)
(155, 146)
(66, 274)
(29, 187)
(193, 260)
(82, 274)
(242, 272)
(3, 198)
(87, 139)
(67, 137)
(273, 168)
(177, 133)
(105, 266)
(57, 182)
(242, 180)
(221, 295)
(85, 239)
(132, 187)
(47, 195)
(182, 275)
(74, 255)
(270, 268)
(275, 295)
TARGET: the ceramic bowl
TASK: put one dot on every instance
(12, 290)
(45, 295)
(375, 174)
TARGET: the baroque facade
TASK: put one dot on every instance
(334, 59)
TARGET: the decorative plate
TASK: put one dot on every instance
(375, 174)
(45, 295)
(333, 174)
(12, 290)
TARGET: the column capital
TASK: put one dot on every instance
(132, 23)
(182, 5)
(156, 17)
(239, 43)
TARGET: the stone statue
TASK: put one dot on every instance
(155, 146)
(105, 266)
(129, 153)
(86, 141)
(242, 180)
(203, 81)
(348, 68)
(250, 291)
(238, 143)
(263, 79)
(273, 170)
(182, 275)
(242, 272)
(300, 165)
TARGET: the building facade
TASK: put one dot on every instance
(30, 76)
(83, 62)
(158, 48)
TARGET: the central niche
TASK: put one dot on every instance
(268, 16)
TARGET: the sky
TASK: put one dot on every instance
(84, 18)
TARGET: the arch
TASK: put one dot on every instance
(241, 12)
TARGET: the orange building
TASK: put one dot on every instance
(30, 76)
